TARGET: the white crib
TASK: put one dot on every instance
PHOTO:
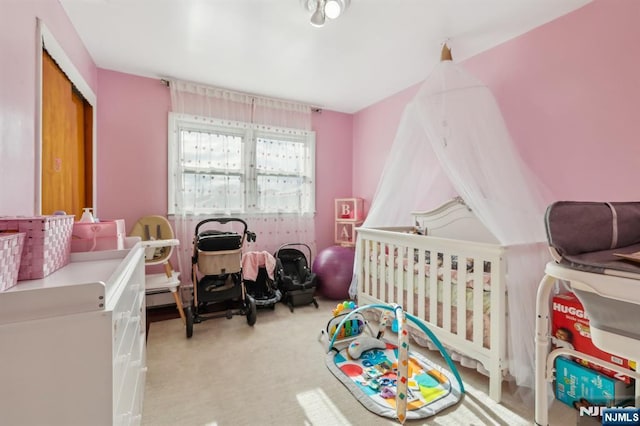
(396, 265)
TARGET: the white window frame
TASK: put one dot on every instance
(250, 132)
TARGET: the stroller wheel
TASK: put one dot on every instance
(189, 317)
(252, 313)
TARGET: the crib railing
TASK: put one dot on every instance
(445, 283)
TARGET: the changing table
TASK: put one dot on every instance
(73, 343)
(585, 239)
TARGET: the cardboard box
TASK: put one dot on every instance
(580, 386)
(570, 328)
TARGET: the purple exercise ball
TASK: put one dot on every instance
(334, 268)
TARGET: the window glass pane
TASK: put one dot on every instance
(221, 166)
(213, 192)
(208, 150)
(278, 156)
(278, 193)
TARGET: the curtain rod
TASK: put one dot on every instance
(313, 108)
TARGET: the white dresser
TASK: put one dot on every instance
(72, 345)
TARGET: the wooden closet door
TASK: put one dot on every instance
(66, 143)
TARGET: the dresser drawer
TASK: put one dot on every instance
(139, 393)
(125, 399)
(126, 308)
(128, 353)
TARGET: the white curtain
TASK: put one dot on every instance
(452, 140)
(215, 105)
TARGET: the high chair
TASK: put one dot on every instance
(158, 240)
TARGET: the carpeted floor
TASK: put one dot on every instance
(274, 373)
(161, 313)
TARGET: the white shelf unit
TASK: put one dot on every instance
(73, 343)
(545, 356)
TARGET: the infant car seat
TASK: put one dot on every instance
(258, 273)
(295, 279)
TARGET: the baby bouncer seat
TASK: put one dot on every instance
(295, 279)
(596, 253)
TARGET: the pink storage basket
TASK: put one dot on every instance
(103, 235)
(47, 243)
(10, 252)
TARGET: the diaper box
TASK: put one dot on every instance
(570, 328)
(578, 386)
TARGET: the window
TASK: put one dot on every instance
(221, 166)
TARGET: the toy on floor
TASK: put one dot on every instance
(363, 344)
(343, 331)
(385, 376)
(344, 307)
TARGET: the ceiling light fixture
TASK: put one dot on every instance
(322, 9)
(334, 8)
(317, 19)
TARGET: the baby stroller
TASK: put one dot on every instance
(295, 279)
(258, 274)
(217, 261)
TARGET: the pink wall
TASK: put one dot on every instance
(568, 92)
(334, 162)
(18, 83)
(132, 156)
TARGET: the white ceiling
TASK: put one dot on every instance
(267, 47)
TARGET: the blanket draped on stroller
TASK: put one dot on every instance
(258, 273)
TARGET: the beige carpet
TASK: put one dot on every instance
(230, 374)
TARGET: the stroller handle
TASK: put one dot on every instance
(293, 245)
(251, 236)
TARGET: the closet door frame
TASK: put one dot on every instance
(44, 37)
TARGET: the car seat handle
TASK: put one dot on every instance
(293, 245)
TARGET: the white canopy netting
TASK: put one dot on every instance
(452, 141)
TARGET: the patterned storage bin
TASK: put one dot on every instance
(47, 243)
(10, 252)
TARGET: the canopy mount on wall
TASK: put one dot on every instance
(445, 55)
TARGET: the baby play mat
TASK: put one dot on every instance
(390, 380)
